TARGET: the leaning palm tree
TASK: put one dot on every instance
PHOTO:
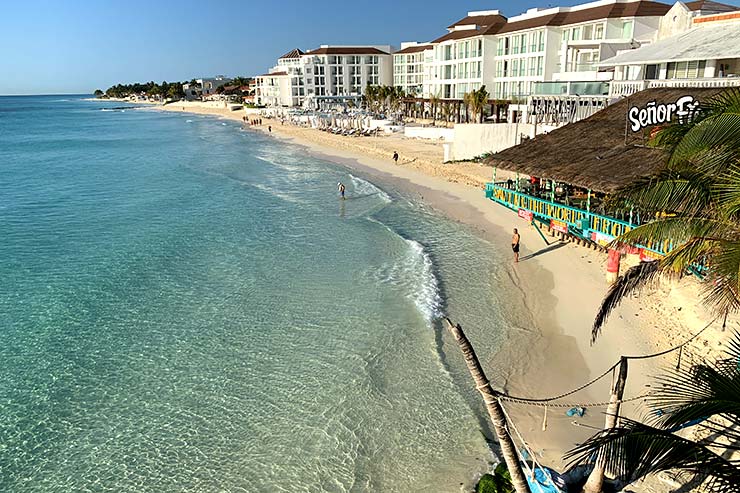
(706, 398)
(695, 200)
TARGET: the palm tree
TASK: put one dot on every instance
(476, 102)
(434, 101)
(695, 200)
(493, 406)
(706, 396)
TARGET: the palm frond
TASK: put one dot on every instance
(635, 450)
(634, 279)
(717, 131)
(687, 191)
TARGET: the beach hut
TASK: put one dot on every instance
(560, 179)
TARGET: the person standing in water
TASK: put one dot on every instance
(395, 157)
(515, 245)
(340, 186)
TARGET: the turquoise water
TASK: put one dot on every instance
(186, 306)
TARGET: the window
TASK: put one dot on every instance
(566, 34)
(588, 31)
(499, 68)
(540, 65)
(541, 38)
(686, 70)
(501, 45)
(599, 31)
(523, 42)
(522, 67)
(575, 34)
(515, 45)
(627, 27)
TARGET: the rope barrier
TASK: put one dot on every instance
(570, 405)
(527, 400)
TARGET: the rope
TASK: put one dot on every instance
(558, 397)
(526, 400)
(662, 353)
(537, 465)
(570, 405)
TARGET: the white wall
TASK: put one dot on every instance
(434, 133)
(473, 139)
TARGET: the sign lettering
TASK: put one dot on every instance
(682, 111)
(526, 215)
(558, 226)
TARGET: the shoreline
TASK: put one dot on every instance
(561, 285)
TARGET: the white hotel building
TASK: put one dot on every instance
(324, 74)
(698, 45)
(560, 46)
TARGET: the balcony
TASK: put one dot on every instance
(623, 88)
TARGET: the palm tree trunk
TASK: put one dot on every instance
(595, 481)
(508, 449)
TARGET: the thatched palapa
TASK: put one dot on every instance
(600, 153)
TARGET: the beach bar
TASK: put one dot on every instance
(564, 179)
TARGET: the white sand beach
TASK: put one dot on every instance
(562, 284)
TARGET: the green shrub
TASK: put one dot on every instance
(498, 482)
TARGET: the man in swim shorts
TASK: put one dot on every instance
(515, 245)
(340, 185)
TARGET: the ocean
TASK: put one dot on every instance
(187, 306)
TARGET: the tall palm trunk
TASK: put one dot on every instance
(595, 481)
(508, 449)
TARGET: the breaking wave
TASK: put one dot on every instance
(366, 188)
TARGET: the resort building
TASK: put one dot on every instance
(328, 73)
(411, 67)
(707, 54)
(458, 62)
(204, 87)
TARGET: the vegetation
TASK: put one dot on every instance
(707, 397)
(171, 90)
(696, 202)
(434, 101)
(98, 93)
(498, 482)
(476, 102)
(383, 99)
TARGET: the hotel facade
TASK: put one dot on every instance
(304, 79)
(557, 52)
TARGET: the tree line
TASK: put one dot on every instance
(171, 90)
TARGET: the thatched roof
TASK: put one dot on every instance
(592, 153)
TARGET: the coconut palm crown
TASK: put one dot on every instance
(705, 398)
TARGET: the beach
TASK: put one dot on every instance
(561, 284)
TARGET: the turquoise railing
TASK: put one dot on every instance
(580, 222)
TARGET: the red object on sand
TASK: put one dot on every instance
(612, 263)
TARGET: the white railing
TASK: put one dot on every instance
(620, 88)
(713, 82)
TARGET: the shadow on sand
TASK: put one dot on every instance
(544, 251)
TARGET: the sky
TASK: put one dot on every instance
(75, 47)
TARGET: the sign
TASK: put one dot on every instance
(683, 110)
(601, 238)
(649, 255)
(559, 226)
(526, 215)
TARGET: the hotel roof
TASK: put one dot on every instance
(478, 19)
(592, 153)
(563, 16)
(413, 49)
(699, 43)
(273, 74)
(710, 6)
(294, 53)
(346, 50)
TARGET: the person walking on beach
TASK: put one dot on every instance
(340, 186)
(395, 157)
(269, 128)
(515, 245)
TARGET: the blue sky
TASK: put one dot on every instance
(78, 46)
